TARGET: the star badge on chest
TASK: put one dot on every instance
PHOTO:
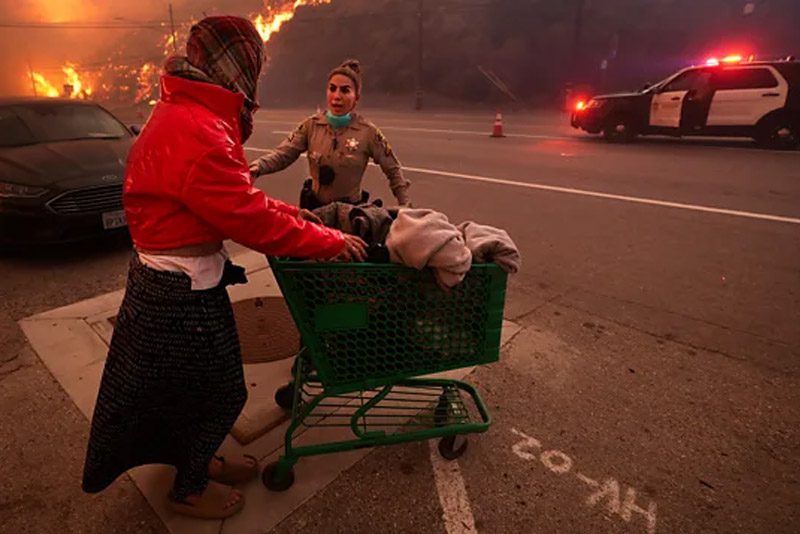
(352, 144)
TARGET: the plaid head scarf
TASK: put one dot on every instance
(226, 51)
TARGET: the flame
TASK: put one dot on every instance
(73, 85)
(276, 17)
(79, 88)
(43, 87)
(119, 78)
(146, 79)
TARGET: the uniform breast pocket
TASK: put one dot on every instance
(353, 160)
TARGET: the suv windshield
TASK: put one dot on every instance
(49, 122)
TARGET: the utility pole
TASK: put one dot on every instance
(576, 43)
(30, 73)
(172, 24)
(420, 6)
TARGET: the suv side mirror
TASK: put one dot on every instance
(136, 130)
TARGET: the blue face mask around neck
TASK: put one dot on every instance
(338, 121)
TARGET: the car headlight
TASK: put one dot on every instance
(594, 104)
(9, 190)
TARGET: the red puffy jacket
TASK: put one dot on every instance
(187, 181)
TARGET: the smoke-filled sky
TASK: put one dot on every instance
(48, 49)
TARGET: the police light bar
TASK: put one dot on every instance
(735, 58)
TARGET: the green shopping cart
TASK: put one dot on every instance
(372, 334)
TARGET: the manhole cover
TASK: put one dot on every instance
(266, 329)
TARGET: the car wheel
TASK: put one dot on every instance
(779, 133)
(619, 130)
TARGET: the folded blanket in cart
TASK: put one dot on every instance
(426, 238)
(490, 244)
(422, 238)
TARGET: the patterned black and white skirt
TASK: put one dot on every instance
(173, 384)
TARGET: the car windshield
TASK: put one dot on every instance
(656, 85)
(50, 122)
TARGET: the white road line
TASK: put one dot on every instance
(610, 196)
(470, 132)
(647, 142)
(596, 194)
(453, 497)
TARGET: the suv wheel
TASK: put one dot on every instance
(780, 133)
(619, 130)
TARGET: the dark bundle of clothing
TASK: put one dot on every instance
(371, 222)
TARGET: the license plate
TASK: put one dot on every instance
(114, 219)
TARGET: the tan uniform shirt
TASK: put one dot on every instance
(346, 150)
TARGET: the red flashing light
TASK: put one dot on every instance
(580, 106)
(732, 59)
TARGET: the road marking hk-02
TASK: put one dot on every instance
(606, 493)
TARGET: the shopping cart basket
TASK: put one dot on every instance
(372, 333)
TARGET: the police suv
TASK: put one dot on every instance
(727, 97)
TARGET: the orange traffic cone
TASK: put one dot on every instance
(497, 131)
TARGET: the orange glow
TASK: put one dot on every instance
(61, 11)
(580, 106)
(275, 18)
(732, 59)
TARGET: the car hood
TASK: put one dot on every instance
(619, 95)
(66, 164)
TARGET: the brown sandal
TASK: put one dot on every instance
(235, 472)
(212, 504)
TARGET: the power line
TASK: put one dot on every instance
(132, 25)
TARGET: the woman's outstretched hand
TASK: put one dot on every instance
(354, 249)
(310, 216)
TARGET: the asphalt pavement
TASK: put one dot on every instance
(653, 388)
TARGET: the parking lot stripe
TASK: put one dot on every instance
(456, 511)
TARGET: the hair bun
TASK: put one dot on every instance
(352, 64)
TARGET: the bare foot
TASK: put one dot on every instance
(214, 467)
(215, 490)
(216, 502)
(233, 471)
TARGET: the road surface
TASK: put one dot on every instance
(655, 386)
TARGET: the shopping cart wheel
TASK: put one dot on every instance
(284, 397)
(453, 447)
(272, 479)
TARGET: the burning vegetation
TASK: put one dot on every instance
(131, 72)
